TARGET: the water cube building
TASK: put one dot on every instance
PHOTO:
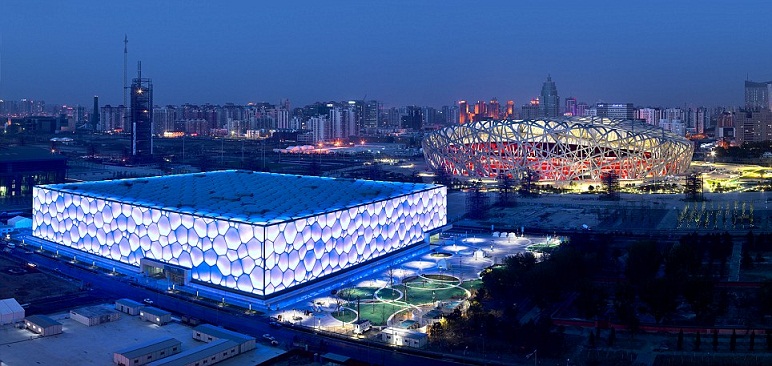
(259, 234)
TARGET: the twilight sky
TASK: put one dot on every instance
(658, 53)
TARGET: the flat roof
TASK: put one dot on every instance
(195, 354)
(128, 302)
(77, 346)
(246, 196)
(406, 333)
(223, 333)
(335, 357)
(93, 311)
(42, 321)
(155, 311)
(148, 347)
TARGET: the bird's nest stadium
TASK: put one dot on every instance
(563, 149)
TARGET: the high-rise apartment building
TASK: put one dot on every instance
(510, 112)
(494, 109)
(164, 119)
(753, 126)
(372, 114)
(463, 112)
(549, 103)
(113, 119)
(94, 120)
(650, 115)
(570, 107)
(531, 110)
(412, 118)
(582, 109)
(757, 95)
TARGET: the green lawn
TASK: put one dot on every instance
(377, 313)
(388, 294)
(418, 296)
(345, 315)
(364, 293)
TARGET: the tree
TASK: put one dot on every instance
(592, 340)
(643, 260)
(765, 297)
(680, 341)
(752, 341)
(698, 292)
(768, 335)
(660, 295)
(612, 336)
(733, 340)
(715, 339)
(697, 341)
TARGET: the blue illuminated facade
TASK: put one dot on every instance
(258, 233)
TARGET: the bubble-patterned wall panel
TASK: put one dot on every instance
(260, 257)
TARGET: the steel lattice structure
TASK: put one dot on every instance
(563, 149)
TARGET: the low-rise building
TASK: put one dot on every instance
(10, 311)
(94, 315)
(361, 326)
(43, 325)
(128, 306)
(144, 353)
(206, 355)
(404, 337)
(209, 333)
(155, 315)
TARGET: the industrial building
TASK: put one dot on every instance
(258, 234)
(155, 315)
(43, 325)
(128, 306)
(208, 333)
(146, 352)
(94, 315)
(208, 354)
(10, 311)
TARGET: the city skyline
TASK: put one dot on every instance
(398, 53)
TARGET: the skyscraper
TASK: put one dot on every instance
(494, 109)
(757, 95)
(549, 103)
(510, 109)
(141, 117)
(463, 112)
(94, 122)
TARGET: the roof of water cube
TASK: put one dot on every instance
(260, 198)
